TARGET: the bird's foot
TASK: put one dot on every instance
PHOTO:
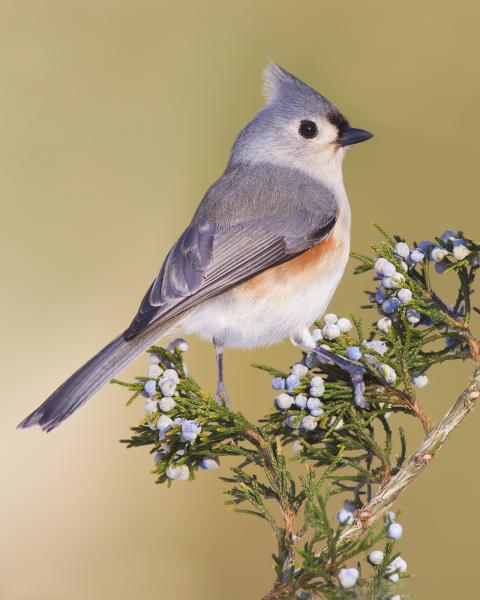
(359, 386)
(179, 343)
(221, 397)
(355, 371)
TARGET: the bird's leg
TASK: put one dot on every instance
(355, 371)
(221, 396)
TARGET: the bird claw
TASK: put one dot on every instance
(359, 389)
(355, 371)
(173, 344)
(221, 398)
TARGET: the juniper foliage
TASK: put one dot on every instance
(349, 453)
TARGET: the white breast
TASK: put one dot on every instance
(282, 302)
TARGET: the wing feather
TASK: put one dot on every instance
(249, 221)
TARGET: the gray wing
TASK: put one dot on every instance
(253, 218)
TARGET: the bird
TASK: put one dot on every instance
(262, 256)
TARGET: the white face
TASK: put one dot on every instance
(312, 142)
(309, 144)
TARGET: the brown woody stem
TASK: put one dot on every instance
(287, 514)
(423, 455)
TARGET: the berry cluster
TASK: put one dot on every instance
(160, 391)
(311, 404)
(394, 291)
(333, 328)
(449, 249)
(392, 570)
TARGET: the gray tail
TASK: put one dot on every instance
(83, 384)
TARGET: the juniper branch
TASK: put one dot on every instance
(288, 512)
(348, 449)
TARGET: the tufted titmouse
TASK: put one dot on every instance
(262, 255)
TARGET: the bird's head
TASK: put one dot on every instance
(297, 128)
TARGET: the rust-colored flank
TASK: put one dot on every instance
(307, 264)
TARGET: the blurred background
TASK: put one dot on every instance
(115, 117)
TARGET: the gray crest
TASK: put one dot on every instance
(282, 88)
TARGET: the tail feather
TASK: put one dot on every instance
(94, 374)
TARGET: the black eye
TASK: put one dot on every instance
(308, 129)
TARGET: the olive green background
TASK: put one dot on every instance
(115, 116)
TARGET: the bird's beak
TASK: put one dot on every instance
(354, 136)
